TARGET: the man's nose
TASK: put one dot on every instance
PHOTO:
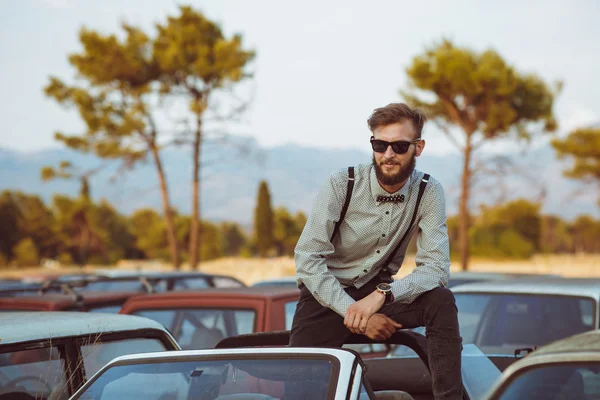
(389, 153)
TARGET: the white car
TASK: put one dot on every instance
(49, 355)
(566, 369)
(267, 373)
(502, 317)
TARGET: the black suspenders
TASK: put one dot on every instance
(422, 186)
(346, 203)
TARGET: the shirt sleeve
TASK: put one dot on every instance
(314, 246)
(433, 250)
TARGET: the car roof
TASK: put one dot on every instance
(60, 300)
(260, 292)
(496, 275)
(343, 354)
(588, 287)
(587, 341)
(28, 326)
(282, 279)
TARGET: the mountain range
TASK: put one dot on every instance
(294, 173)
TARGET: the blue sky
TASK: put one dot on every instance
(321, 66)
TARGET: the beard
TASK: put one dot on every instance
(393, 179)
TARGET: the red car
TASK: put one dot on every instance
(110, 302)
(200, 319)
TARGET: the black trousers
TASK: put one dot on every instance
(318, 326)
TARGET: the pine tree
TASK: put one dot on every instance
(263, 220)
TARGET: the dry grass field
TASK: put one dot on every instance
(254, 269)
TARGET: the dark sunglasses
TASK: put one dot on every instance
(399, 147)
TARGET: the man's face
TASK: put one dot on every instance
(391, 168)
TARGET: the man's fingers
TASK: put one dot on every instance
(349, 319)
(396, 324)
(363, 324)
(357, 322)
(387, 331)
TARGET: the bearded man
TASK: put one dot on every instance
(356, 239)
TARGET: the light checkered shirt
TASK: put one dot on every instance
(368, 235)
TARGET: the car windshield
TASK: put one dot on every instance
(565, 381)
(501, 323)
(33, 374)
(202, 328)
(96, 354)
(215, 379)
(478, 372)
(133, 285)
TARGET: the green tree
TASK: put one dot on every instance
(26, 216)
(263, 220)
(554, 235)
(196, 59)
(583, 145)
(116, 97)
(510, 230)
(25, 253)
(287, 230)
(585, 232)
(131, 82)
(36, 221)
(77, 229)
(234, 239)
(9, 224)
(150, 233)
(114, 231)
(522, 216)
(479, 97)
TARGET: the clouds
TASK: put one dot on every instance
(57, 3)
(578, 117)
(321, 67)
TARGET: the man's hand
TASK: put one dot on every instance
(381, 327)
(358, 314)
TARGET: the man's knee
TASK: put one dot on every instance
(439, 296)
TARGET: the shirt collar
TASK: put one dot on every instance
(377, 190)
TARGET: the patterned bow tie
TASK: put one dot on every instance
(390, 199)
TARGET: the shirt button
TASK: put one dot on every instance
(365, 270)
(387, 212)
(383, 235)
(377, 251)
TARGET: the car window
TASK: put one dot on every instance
(225, 282)
(97, 354)
(290, 309)
(586, 309)
(501, 323)
(572, 381)
(190, 283)
(37, 372)
(202, 328)
(215, 379)
(470, 310)
(114, 286)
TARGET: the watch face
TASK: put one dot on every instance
(384, 286)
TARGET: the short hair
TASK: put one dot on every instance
(397, 112)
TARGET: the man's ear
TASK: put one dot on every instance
(420, 146)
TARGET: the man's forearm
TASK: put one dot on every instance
(423, 279)
(325, 287)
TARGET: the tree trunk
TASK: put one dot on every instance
(464, 216)
(166, 208)
(195, 223)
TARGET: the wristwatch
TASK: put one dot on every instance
(386, 289)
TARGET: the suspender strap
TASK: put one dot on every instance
(412, 221)
(346, 203)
